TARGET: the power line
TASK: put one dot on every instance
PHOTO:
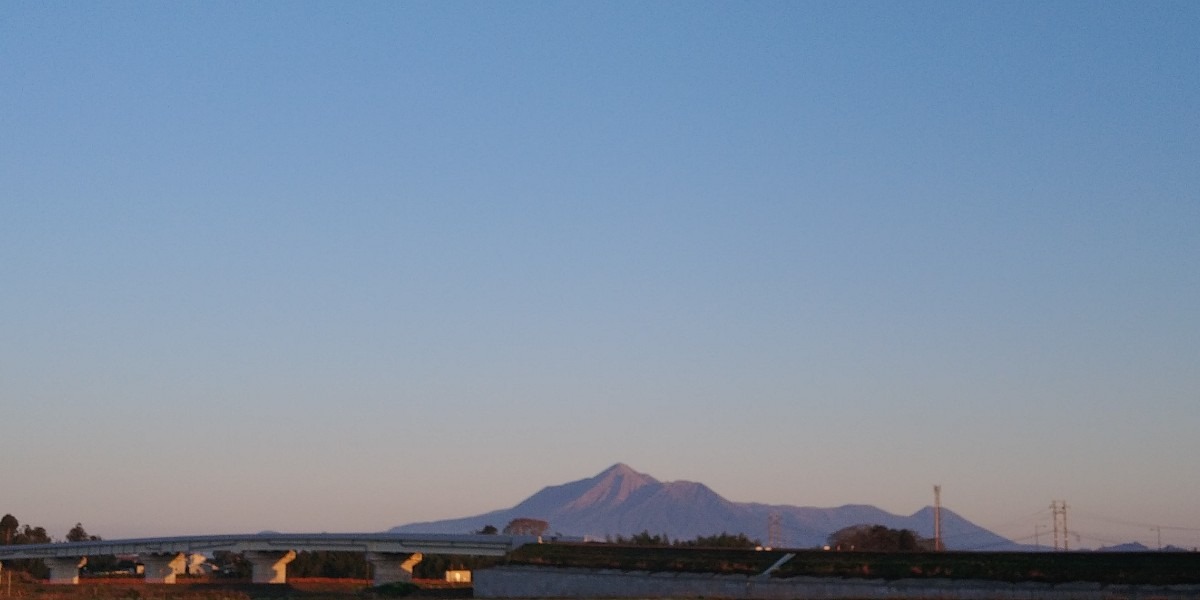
(1135, 523)
(1037, 518)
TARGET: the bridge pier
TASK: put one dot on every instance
(268, 566)
(64, 570)
(162, 568)
(392, 567)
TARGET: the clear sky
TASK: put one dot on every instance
(328, 266)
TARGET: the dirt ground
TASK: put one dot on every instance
(222, 589)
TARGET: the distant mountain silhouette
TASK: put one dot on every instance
(1126, 547)
(622, 501)
(1140, 547)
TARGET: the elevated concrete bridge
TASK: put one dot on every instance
(392, 555)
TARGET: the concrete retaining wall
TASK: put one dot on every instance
(549, 582)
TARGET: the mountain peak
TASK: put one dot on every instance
(620, 469)
(612, 486)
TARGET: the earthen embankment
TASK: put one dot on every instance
(555, 582)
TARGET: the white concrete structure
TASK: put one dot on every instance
(392, 554)
(390, 567)
(269, 566)
(162, 568)
(197, 564)
(65, 569)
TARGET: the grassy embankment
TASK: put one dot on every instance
(1151, 568)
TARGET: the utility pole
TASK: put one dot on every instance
(1059, 509)
(937, 518)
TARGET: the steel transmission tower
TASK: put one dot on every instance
(774, 530)
(1058, 508)
(937, 518)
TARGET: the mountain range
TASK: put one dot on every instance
(622, 501)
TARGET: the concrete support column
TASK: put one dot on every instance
(269, 567)
(390, 567)
(64, 570)
(162, 568)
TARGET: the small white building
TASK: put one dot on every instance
(458, 576)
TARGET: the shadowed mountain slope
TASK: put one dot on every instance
(622, 501)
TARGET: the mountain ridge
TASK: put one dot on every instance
(620, 501)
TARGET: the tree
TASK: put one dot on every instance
(526, 526)
(322, 563)
(877, 538)
(79, 534)
(645, 538)
(8, 528)
(721, 540)
(32, 535)
(488, 530)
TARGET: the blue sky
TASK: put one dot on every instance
(326, 266)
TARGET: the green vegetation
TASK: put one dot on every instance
(721, 540)
(645, 558)
(877, 538)
(12, 532)
(1155, 568)
(1151, 568)
(524, 526)
(432, 567)
(351, 565)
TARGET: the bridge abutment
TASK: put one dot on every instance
(268, 566)
(162, 568)
(392, 567)
(64, 570)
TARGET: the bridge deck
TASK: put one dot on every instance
(478, 545)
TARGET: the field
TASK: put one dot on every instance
(222, 589)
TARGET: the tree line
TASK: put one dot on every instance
(720, 540)
(877, 538)
(13, 532)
